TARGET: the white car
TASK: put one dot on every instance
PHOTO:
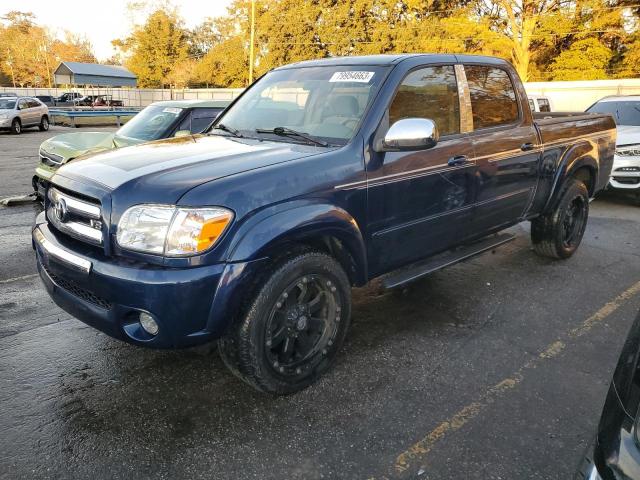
(17, 113)
(538, 103)
(625, 109)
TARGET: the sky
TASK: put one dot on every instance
(103, 20)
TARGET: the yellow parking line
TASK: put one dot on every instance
(16, 279)
(417, 453)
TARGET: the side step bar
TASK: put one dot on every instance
(446, 259)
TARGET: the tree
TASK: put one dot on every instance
(29, 53)
(585, 60)
(155, 48)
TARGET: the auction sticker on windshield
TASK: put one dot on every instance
(173, 110)
(361, 77)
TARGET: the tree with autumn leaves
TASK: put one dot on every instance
(29, 53)
(544, 39)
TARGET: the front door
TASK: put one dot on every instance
(421, 202)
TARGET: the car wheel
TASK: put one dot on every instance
(558, 233)
(16, 126)
(44, 124)
(293, 328)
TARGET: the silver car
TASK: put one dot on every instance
(17, 113)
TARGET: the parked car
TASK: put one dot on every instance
(17, 113)
(84, 101)
(48, 100)
(615, 452)
(626, 165)
(68, 99)
(158, 120)
(538, 103)
(321, 176)
(107, 101)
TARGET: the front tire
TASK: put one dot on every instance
(44, 124)
(558, 233)
(294, 327)
(16, 126)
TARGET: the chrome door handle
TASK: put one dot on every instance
(525, 147)
(457, 160)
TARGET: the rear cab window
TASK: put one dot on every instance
(544, 105)
(493, 97)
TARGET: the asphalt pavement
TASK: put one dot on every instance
(495, 368)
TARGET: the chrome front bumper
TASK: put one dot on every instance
(61, 254)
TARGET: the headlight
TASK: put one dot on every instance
(628, 150)
(4, 116)
(172, 231)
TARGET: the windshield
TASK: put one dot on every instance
(326, 103)
(151, 123)
(624, 112)
(7, 104)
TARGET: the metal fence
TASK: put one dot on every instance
(567, 96)
(135, 97)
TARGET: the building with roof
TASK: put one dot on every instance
(76, 73)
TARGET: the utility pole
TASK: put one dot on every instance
(46, 61)
(10, 63)
(253, 31)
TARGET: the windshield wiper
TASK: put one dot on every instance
(288, 132)
(232, 131)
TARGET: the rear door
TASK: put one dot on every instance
(506, 147)
(420, 202)
(25, 111)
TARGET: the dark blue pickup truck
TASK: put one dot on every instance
(321, 176)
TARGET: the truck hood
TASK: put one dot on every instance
(164, 170)
(628, 134)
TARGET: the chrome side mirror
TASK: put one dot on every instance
(409, 134)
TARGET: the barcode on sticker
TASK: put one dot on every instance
(362, 77)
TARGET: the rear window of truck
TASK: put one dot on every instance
(493, 98)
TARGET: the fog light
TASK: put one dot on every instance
(148, 324)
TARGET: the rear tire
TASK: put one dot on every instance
(16, 126)
(558, 233)
(44, 124)
(294, 326)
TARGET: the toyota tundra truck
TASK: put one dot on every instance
(321, 176)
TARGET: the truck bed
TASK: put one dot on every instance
(560, 131)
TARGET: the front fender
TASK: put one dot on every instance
(581, 155)
(296, 223)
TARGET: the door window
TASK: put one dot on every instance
(201, 118)
(429, 93)
(493, 98)
(22, 105)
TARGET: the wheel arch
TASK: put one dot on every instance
(579, 161)
(320, 226)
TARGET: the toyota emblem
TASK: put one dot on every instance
(60, 210)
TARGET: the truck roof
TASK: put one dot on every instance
(193, 103)
(393, 59)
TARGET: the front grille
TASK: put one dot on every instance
(50, 159)
(74, 216)
(76, 290)
(627, 180)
